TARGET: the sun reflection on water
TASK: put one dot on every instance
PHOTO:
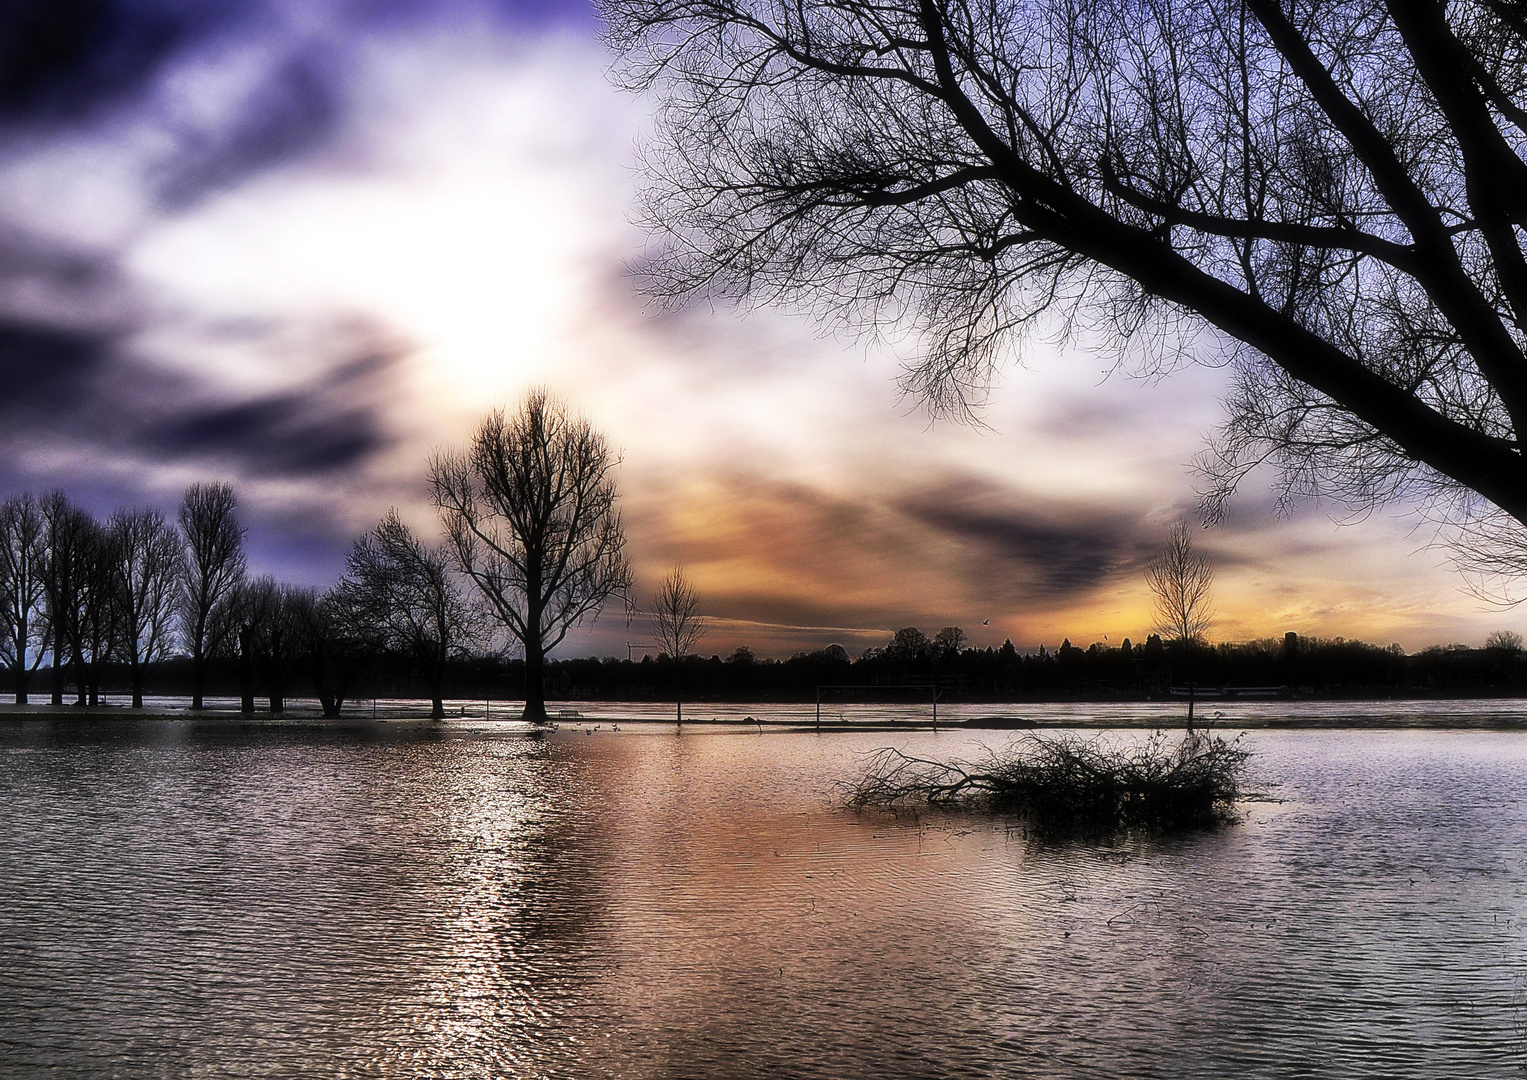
(465, 901)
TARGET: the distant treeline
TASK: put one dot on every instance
(1294, 666)
(136, 601)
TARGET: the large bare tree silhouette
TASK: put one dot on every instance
(1335, 191)
(530, 510)
(24, 631)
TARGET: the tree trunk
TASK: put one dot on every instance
(136, 674)
(198, 678)
(1192, 687)
(246, 669)
(276, 674)
(57, 695)
(535, 691)
(535, 651)
(435, 674)
(21, 672)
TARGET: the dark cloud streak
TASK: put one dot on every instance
(315, 430)
(1059, 553)
(294, 109)
(73, 388)
(62, 61)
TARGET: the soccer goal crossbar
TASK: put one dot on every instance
(930, 689)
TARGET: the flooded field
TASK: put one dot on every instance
(219, 898)
(1230, 715)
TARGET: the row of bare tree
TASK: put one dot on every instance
(530, 520)
(82, 593)
(86, 592)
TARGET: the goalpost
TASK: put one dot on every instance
(931, 689)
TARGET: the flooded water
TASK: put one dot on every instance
(217, 898)
(1464, 713)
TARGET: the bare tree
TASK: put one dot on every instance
(148, 567)
(909, 645)
(335, 647)
(214, 567)
(98, 629)
(530, 511)
(1334, 192)
(677, 623)
(23, 589)
(1505, 649)
(1180, 577)
(70, 538)
(245, 643)
(267, 641)
(1506, 642)
(949, 639)
(407, 595)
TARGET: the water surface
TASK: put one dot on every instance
(218, 898)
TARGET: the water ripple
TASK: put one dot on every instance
(196, 898)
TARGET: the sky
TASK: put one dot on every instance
(301, 245)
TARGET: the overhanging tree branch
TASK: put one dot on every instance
(1331, 187)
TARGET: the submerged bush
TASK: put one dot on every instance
(1065, 781)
